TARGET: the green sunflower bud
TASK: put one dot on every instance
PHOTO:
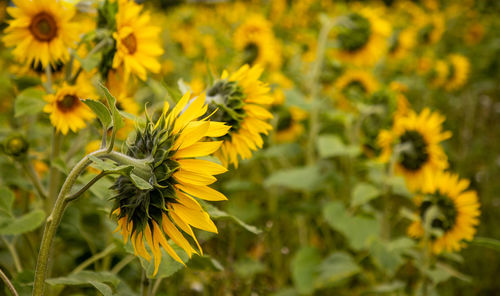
(16, 146)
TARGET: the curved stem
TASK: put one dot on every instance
(108, 250)
(8, 283)
(87, 186)
(53, 222)
(13, 253)
(124, 262)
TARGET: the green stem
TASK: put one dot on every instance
(48, 83)
(141, 167)
(156, 286)
(8, 283)
(33, 176)
(314, 91)
(54, 174)
(53, 222)
(124, 262)
(13, 253)
(108, 250)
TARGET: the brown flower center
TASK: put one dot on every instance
(130, 43)
(68, 103)
(43, 27)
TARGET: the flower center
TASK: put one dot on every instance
(250, 53)
(355, 33)
(68, 103)
(43, 27)
(284, 119)
(448, 212)
(416, 156)
(130, 43)
(425, 33)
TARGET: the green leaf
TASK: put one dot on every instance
(101, 111)
(25, 223)
(89, 62)
(388, 256)
(60, 164)
(140, 182)
(487, 243)
(248, 268)
(359, 230)
(363, 193)
(332, 145)
(336, 268)
(118, 122)
(28, 102)
(6, 201)
(103, 288)
(304, 267)
(301, 179)
(215, 213)
(85, 277)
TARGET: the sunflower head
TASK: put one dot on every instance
(67, 111)
(41, 32)
(454, 215)
(237, 99)
(458, 70)
(355, 33)
(416, 139)
(167, 208)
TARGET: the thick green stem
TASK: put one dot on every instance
(53, 222)
(54, 174)
(141, 167)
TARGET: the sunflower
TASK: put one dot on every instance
(289, 126)
(431, 29)
(361, 37)
(439, 73)
(169, 209)
(137, 43)
(459, 67)
(423, 155)
(354, 84)
(255, 38)
(401, 42)
(458, 212)
(66, 109)
(41, 31)
(237, 99)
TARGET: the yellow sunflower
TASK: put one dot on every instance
(67, 111)
(459, 68)
(419, 137)
(41, 31)
(354, 84)
(401, 43)
(431, 29)
(170, 208)
(361, 37)
(457, 216)
(238, 99)
(439, 73)
(255, 39)
(289, 126)
(137, 42)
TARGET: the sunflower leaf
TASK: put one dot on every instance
(29, 102)
(218, 214)
(101, 111)
(23, 224)
(118, 122)
(6, 201)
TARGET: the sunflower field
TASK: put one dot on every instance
(217, 147)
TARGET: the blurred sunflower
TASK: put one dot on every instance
(255, 39)
(354, 84)
(422, 134)
(41, 31)
(459, 67)
(67, 111)
(237, 99)
(289, 126)
(177, 178)
(431, 28)
(362, 37)
(401, 42)
(457, 216)
(439, 73)
(137, 42)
